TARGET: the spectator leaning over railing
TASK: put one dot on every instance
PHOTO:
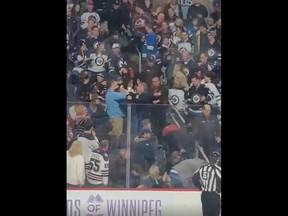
(113, 108)
(158, 112)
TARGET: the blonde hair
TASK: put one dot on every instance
(72, 112)
(178, 68)
(103, 28)
(75, 149)
(180, 80)
(154, 172)
(80, 110)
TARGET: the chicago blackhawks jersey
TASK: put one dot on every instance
(97, 169)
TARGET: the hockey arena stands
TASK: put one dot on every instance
(143, 91)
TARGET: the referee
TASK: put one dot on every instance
(208, 179)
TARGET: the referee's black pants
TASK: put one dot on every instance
(210, 203)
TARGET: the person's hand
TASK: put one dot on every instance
(122, 90)
(100, 97)
(218, 139)
(123, 71)
(199, 16)
(156, 101)
(182, 150)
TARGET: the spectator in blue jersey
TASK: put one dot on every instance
(197, 10)
(113, 108)
(192, 27)
(150, 42)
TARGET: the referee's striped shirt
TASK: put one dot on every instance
(208, 178)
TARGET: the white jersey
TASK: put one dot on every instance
(176, 98)
(217, 97)
(97, 169)
(98, 63)
(84, 18)
(185, 46)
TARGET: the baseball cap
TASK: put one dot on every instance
(115, 45)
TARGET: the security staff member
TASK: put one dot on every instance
(208, 179)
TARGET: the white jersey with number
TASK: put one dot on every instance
(97, 170)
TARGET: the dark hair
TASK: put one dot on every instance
(126, 81)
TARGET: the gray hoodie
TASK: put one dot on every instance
(187, 168)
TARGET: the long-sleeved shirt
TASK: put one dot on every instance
(75, 170)
(112, 106)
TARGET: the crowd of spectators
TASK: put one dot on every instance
(175, 94)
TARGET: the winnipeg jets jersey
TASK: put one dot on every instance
(97, 170)
(176, 98)
(98, 63)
